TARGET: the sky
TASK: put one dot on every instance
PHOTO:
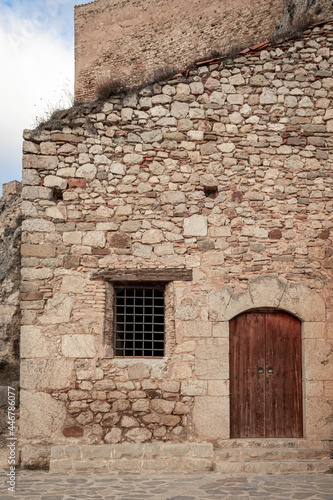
(36, 71)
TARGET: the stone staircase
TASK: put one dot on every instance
(267, 456)
(254, 456)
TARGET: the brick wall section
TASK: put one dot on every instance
(130, 41)
(228, 173)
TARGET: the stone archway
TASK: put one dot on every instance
(305, 304)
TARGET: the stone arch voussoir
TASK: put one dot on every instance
(271, 291)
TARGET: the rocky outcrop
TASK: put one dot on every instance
(10, 234)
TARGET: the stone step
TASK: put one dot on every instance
(304, 444)
(273, 467)
(188, 457)
(274, 454)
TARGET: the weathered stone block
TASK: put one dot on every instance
(78, 346)
(30, 177)
(38, 225)
(211, 417)
(312, 330)
(59, 212)
(318, 359)
(72, 284)
(28, 250)
(197, 329)
(139, 435)
(138, 371)
(40, 162)
(218, 388)
(94, 239)
(266, 290)
(212, 360)
(196, 225)
(152, 236)
(194, 387)
(46, 374)
(41, 415)
(36, 274)
(114, 436)
(58, 310)
(304, 303)
(162, 406)
(34, 343)
(221, 329)
(53, 181)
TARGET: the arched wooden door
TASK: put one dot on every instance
(265, 375)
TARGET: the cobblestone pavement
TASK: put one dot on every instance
(35, 485)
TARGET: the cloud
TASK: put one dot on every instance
(37, 61)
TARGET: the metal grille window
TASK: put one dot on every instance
(139, 322)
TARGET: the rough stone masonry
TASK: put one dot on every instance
(136, 40)
(227, 174)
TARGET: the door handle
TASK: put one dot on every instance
(260, 369)
(270, 369)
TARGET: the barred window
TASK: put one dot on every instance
(139, 321)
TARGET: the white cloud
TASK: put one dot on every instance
(37, 61)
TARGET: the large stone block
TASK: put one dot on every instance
(212, 360)
(72, 284)
(41, 416)
(58, 310)
(87, 171)
(32, 274)
(194, 387)
(34, 343)
(211, 417)
(36, 193)
(46, 374)
(40, 162)
(58, 212)
(218, 301)
(304, 303)
(30, 177)
(138, 371)
(196, 225)
(38, 225)
(94, 239)
(218, 388)
(266, 291)
(318, 359)
(318, 419)
(238, 303)
(44, 251)
(221, 329)
(313, 330)
(78, 346)
(197, 329)
(53, 181)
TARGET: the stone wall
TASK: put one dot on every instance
(228, 173)
(141, 37)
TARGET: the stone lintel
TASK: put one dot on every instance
(144, 275)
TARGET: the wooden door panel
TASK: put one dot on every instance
(283, 403)
(267, 404)
(247, 387)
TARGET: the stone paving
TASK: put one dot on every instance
(36, 485)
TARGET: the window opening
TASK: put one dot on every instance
(139, 321)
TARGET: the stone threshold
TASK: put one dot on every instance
(193, 457)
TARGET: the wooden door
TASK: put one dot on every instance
(265, 375)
